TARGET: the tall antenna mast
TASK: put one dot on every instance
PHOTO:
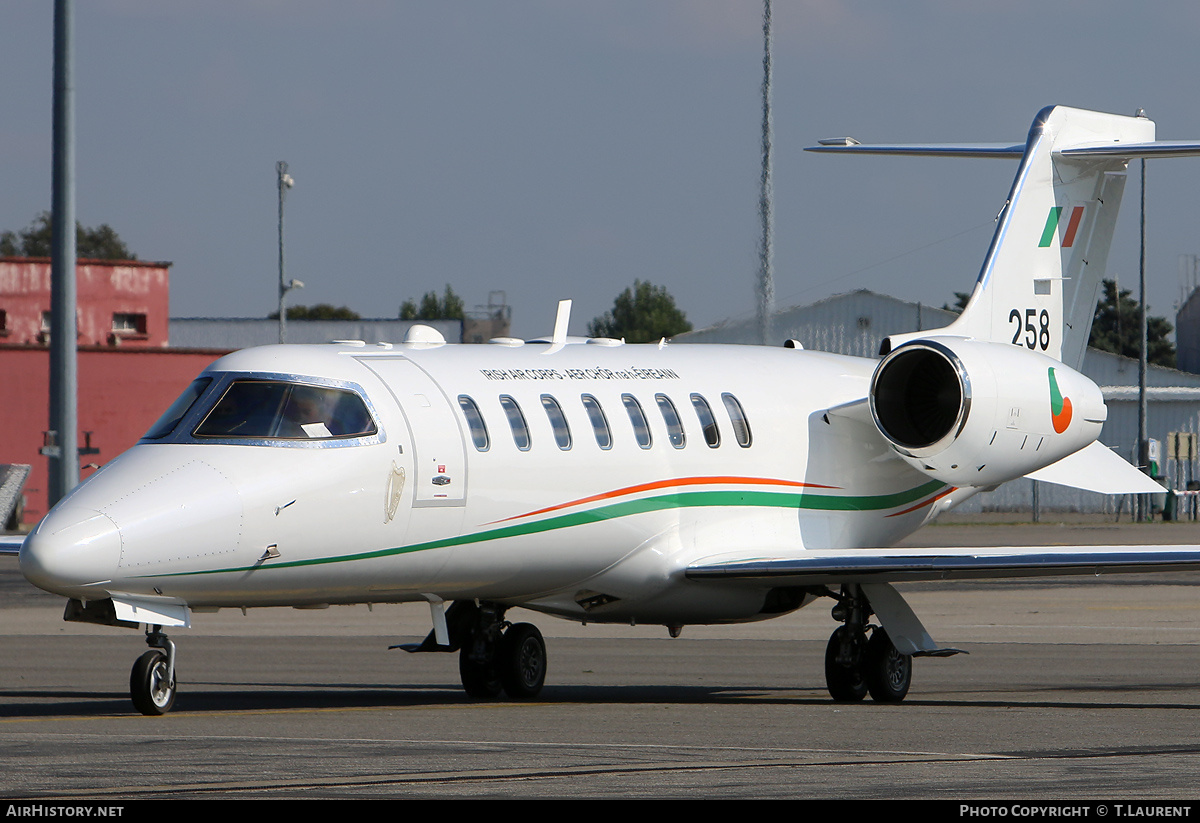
(766, 277)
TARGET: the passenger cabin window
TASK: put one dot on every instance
(516, 422)
(641, 429)
(599, 421)
(708, 423)
(741, 427)
(558, 422)
(479, 432)
(671, 418)
(282, 410)
(171, 417)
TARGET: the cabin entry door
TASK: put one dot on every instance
(437, 440)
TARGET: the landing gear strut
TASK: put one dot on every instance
(152, 681)
(499, 656)
(856, 665)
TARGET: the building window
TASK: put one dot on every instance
(516, 422)
(3, 322)
(671, 418)
(708, 423)
(558, 422)
(126, 323)
(599, 421)
(641, 429)
(479, 432)
(741, 427)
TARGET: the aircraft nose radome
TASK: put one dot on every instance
(70, 549)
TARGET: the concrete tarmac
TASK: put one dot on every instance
(1074, 688)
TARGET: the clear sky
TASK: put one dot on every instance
(566, 148)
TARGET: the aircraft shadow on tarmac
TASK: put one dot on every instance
(65, 703)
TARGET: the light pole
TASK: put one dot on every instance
(64, 378)
(285, 183)
(766, 276)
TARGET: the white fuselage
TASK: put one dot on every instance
(429, 506)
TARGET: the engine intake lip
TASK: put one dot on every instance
(920, 397)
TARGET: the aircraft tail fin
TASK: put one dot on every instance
(1042, 273)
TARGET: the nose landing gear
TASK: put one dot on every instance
(152, 680)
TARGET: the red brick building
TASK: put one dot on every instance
(127, 374)
(119, 303)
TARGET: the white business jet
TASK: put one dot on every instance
(604, 482)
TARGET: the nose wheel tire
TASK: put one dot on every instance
(522, 661)
(149, 688)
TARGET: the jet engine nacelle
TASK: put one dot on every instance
(973, 413)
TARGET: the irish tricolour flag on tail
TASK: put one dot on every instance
(1052, 221)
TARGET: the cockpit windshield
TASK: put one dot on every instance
(171, 417)
(284, 410)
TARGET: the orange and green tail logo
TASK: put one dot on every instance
(1051, 227)
(1060, 407)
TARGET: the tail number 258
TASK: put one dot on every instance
(1035, 336)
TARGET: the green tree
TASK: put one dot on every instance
(1116, 327)
(100, 243)
(642, 314)
(961, 298)
(447, 307)
(321, 311)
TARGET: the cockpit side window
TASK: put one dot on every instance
(283, 410)
(171, 417)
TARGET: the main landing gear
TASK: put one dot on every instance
(499, 656)
(152, 681)
(494, 655)
(856, 665)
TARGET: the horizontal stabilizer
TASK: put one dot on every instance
(11, 543)
(1129, 151)
(1097, 469)
(848, 145)
(1153, 148)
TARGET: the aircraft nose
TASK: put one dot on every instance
(71, 550)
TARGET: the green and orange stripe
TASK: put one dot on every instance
(677, 498)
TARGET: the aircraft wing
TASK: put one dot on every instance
(808, 567)
(11, 543)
